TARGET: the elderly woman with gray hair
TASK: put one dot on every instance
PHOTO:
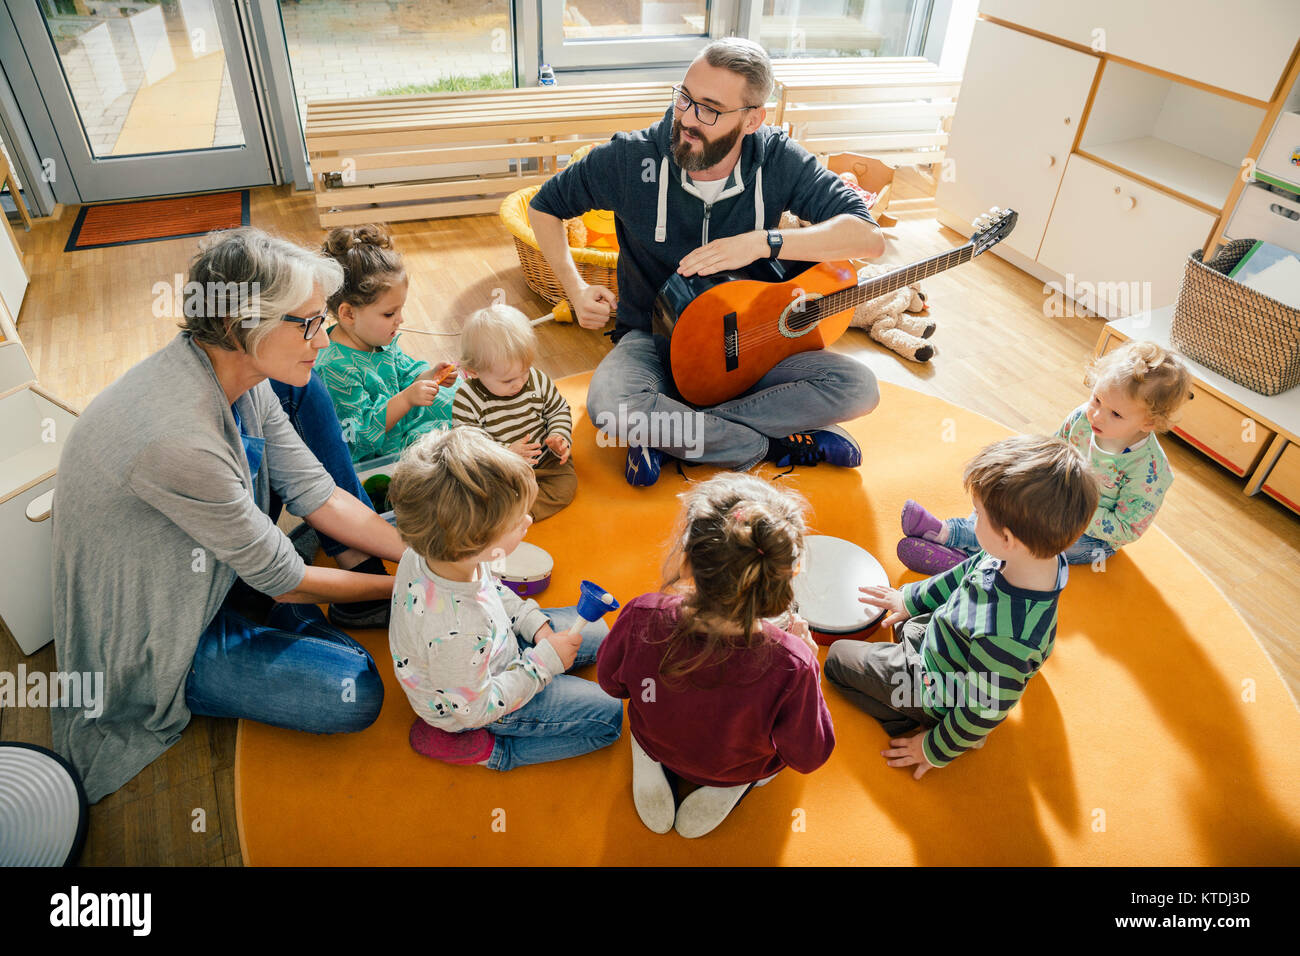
(163, 536)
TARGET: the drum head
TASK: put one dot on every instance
(827, 587)
(527, 562)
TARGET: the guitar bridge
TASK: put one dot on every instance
(730, 342)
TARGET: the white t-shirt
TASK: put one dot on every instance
(710, 190)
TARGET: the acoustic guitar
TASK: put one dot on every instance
(726, 331)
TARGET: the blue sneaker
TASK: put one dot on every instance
(832, 445)
(643, 464)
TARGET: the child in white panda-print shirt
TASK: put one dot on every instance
(484, 670)
(454, 647)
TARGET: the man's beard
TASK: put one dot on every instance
(711, 153)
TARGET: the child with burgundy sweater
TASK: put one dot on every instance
(717, 696)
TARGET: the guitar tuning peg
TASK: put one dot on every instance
(994, 210)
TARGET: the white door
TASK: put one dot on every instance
(1021, 102)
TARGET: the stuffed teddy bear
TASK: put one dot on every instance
(890, 318)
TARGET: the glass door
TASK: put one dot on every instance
(146, 97)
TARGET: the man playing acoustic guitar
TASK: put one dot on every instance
(698, 193)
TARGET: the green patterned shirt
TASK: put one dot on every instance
(985, 639)
(362, 383)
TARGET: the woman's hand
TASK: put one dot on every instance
(891, 599)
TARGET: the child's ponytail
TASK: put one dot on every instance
(740, 542)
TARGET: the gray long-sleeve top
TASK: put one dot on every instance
(155, 515)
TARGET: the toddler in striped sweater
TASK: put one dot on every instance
(516, 404)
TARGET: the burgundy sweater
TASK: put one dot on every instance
(725, 724)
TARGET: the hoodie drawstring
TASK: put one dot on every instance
(661, 223)
(760, 217)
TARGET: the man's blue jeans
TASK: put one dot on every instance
(568, 717)
(961, 535)
(804, 392)
(311, 412)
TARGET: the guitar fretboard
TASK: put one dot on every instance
(837, 302)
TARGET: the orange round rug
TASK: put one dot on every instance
(1157, 733)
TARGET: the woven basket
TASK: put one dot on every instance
(596, 266)
(1241, 334)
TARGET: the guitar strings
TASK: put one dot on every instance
(857, 295)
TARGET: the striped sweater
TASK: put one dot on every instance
(985, 639)
(538, 410)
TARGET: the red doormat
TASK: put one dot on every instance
(148, 220)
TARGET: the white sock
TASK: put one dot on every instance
(703, 810)
(651, 794)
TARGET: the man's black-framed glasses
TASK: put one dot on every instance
(310, 323)
(705, 114)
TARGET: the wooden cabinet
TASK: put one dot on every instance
(1240, 47)
(1119, 132)
(1122, 244)
(1283, 479)
(1010, 138)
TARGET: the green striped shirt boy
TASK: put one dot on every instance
(538, 410)
(986, 638)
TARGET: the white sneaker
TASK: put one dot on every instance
(703, 810)
(651, 793)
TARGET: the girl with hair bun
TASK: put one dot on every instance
(384, 399)
(718, 695)
(1136, 391)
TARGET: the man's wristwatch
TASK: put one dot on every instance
(773, 244)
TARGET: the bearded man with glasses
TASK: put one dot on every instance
(697, 193)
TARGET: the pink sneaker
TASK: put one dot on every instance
(470, 747)
(927, 557)
(919, 523)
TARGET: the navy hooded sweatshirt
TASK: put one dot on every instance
(659, 216)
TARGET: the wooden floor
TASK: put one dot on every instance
(89, 316)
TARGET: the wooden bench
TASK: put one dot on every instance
(394, 158)
(898, 109)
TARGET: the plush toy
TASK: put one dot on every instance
(890, 319)
(576, 230)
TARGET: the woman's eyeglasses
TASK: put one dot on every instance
(705, 114)
(310, 323)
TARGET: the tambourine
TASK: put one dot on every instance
(527, 570)
(826, 590)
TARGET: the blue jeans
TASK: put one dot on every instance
(568, 717)
(296, 670)
(961, 535)
(806, 391)
(311, 412)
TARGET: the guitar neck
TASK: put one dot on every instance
(838, 302)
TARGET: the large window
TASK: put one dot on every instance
(349, 49)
